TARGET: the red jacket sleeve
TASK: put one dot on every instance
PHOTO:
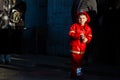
(72, 32)
(89, 34)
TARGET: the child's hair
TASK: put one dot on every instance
(83, 13)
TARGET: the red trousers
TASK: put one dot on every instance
(76, 62)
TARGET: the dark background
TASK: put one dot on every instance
(47, 24)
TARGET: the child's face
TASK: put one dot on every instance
(82, 19)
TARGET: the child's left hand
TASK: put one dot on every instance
(84, 39)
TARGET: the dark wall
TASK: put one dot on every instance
(36, 27)
(108, 39)
(59, 20)
(47, 23)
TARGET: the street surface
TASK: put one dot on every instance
(30, 68)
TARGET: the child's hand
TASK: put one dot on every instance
(83, 38)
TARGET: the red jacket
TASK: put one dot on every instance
(75, 31)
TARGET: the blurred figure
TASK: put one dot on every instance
(5, 8)
(17, 23)
(12, 14)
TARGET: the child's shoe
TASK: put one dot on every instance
(79, 73)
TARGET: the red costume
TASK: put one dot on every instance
(77, 46)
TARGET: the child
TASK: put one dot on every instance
(80, 35)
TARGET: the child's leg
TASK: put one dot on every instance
(76, 64)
